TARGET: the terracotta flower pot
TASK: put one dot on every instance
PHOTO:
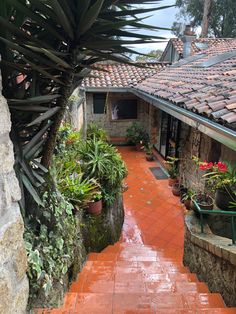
(176, 189)
(171, 181)
(95, 208)
(223, 199)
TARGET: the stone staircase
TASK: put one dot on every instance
(138, 279)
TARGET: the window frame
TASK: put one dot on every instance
(93, 109)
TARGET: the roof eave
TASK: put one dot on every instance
(107, 89)
(212, 129)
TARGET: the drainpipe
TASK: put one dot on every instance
(187, 39)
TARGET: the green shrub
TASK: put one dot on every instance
(93, 131)
(51, 240)
(101, 161)
(135, 134)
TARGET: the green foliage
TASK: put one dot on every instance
(66, 140)
(135, 134)
(71, 181)
(222, 19)
(151, 56)
(148, 148)
(51, 241)
(171, 163)
(93, 131)
(47, 48)
(101, 161)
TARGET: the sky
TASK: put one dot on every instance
(162, 18)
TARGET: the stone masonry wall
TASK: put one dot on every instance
(212, 258)
(13, 260)
(117, 128)
(195, 143)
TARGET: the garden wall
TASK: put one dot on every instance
(13, 260)
(105, 229)
(117, 128)
(212, 257)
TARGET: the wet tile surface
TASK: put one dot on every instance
(142, 273)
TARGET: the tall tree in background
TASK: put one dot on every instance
(206, 17)
(221, 16)
(153, 55)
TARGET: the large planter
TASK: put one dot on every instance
(223, 199)
(205, 202)
(95, 208)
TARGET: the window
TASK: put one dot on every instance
(124, 109)
(99, 102)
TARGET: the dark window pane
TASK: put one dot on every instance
(124, 109)
(99, 102)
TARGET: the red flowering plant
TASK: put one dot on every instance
(219, 175)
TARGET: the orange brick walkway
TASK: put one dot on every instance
(143, 273)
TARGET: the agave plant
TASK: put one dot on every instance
(47, 48)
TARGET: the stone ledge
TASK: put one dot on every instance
(211, 258)
(219, 246)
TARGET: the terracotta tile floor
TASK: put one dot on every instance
(143, 272)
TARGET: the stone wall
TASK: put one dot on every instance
(195, 143)
(212, 257)
(105, 229)
(117, 128)
(13, 260)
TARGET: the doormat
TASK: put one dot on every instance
(158, 173)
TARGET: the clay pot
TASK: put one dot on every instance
(187, 204)
(149, 157)
(205, 202)
(176, 189)
(223, 199)
(171, 181)
(95, 208)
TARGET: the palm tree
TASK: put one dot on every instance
(47, 48)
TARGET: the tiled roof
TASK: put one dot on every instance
(210, 42)
(120, 75)
(208, 91)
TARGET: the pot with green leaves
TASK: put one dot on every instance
(204, 201)
(176, 189)
(186, 198)
(148, 151)
(95, 206)
(172, 169)
(221, 178)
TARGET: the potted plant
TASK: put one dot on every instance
(95, 206)
(137, 136)
(148, 151)
(204, 200)
(186, 198)
(176, 189)
(172, 169)
(221, 178)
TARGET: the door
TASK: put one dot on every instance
(168, 137)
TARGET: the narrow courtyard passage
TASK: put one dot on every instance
(143, 273)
